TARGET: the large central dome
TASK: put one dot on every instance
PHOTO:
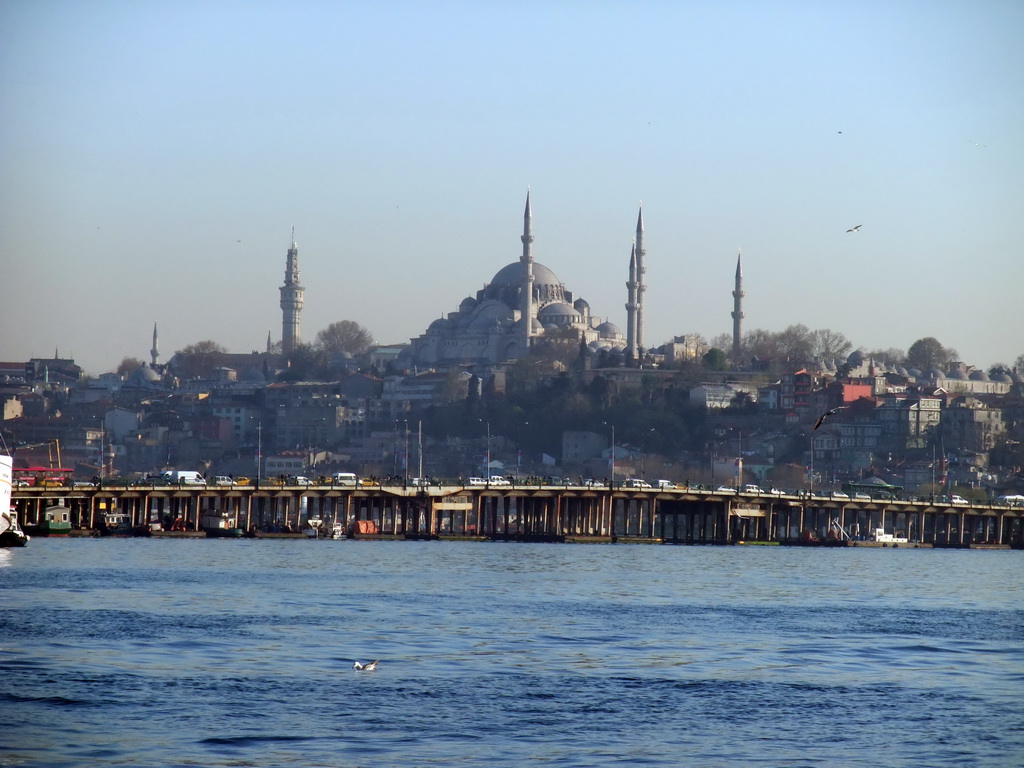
(512, 274)
(507, 284)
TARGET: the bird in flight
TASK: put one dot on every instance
(854, 229)
(826, 414)
(368, 667)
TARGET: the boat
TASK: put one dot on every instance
(56, 521)
(116, 523)
(219, 526)
(314, 528)
(338, 532)
(11, 534)
(882, 537)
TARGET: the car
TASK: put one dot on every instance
(83, 484)
(591, 483)
(861, 497)
(775, 492)
(839, 495)
(635, 482)
(725, 489)
(666, 484)
(498, 480)
(954, 499)
(754, 489)
(220, 480)
(299, 480)
(476, 481)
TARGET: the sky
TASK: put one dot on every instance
(154, 158)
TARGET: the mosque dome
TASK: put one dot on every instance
(512, 274)
(855, 358)
(254, 376)
(559, 313)
(957, 374)
(979, 375)
(609, 330)
(1002, 377)
(143, 376)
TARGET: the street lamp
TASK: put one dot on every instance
(519, 450)
(487, 472)
(612, 480)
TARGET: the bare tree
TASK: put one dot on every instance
(929, 353)
(198, 360)
(128, 364)
(827, 344)
(344, 336)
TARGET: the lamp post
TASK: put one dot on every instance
(519, 450)
(643, 455)
(487, 471)
(611, 481)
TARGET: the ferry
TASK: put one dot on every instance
(11, 534)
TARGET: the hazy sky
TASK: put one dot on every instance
(155, 155)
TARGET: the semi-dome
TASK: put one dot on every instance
(559, 311)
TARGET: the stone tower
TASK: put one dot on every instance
(291, 302)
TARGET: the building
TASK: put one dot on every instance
(523, 303)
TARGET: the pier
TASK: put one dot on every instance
(532, 513)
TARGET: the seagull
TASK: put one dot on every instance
(826, 414)
(854, 229)
(369, 667)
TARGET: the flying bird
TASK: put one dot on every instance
(369, 667)
(854, 229)
(826, 414)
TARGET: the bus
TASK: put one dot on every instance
(43, 477)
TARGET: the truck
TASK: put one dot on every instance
(183, 477)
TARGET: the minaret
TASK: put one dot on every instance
(640, 287)
(737, 312)
(270, 344)
(154, 353)
(631, 306)
(291, 301)
(528, 278)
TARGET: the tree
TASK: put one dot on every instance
(715, 359)
(344, 336)
(827, 344)
(129, 364)
(308, 362)
(929, 353)
(198, 360)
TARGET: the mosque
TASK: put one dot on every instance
(524, 302)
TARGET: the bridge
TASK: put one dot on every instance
(687, 515)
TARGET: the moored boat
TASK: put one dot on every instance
(220, 526)
(56, 521)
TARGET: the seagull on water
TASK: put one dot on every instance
(826, 414)
(368, 667)
(854, 229)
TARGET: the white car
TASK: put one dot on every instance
(724, 489)
(498, 480)
(839, 495)
(666, 484)
(635, 482)
(958, 500)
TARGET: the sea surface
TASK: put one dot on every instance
(156, 652)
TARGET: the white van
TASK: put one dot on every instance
(344, 478)
(476, 481)
(183, 477)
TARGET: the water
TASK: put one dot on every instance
(136, 652)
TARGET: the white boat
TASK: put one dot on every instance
(338, 531)
(11, 534)
(314, 528)
(882, 537)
